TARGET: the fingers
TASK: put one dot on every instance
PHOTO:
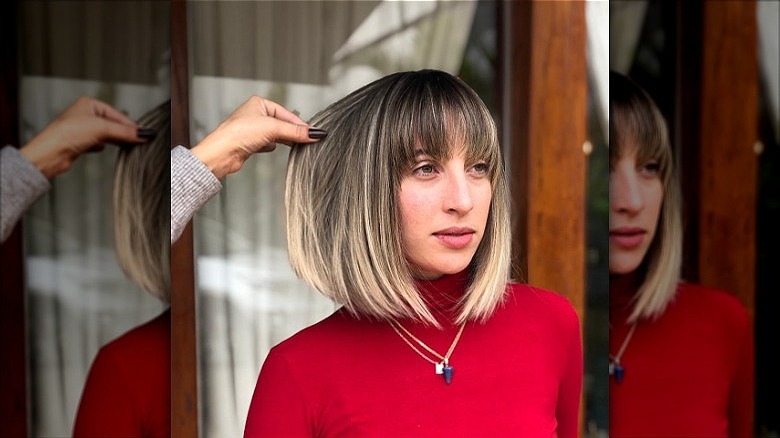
(289, 133)
(96, 148)
(279, 112)
(89, 106)
(112, 131)
(108, 112)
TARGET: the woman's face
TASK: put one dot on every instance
(635, 197)
(444, 208)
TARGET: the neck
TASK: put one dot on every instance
(443, 294)
(622, 290)
(625, 284)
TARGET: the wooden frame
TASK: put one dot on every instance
(542, 93)
(185, 420)
(13, 397)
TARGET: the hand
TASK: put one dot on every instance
(82, 127)
(255, 126)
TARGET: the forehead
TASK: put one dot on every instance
(629, 144)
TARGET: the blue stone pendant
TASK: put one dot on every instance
(619, 371)
(448, 371)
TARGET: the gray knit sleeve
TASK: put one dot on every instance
(192, 184)
(21, 184)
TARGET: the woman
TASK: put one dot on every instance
(681, 356)
(401, 216)
(127, 392)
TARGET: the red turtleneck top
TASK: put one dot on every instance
(687, 374)
(518, 374)
(128, 391)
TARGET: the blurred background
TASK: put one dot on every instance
(63, 295)
(712, 68)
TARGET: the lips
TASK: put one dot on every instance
(455, 237)
(627, 237)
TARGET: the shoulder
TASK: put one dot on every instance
(153, 337)
(535, 297)
(537, 304)
(720, 312)
(337, 332)
(719, 304)
(134, 362)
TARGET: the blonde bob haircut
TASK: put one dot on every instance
(343, 218)
(636, 123)
(142, 201)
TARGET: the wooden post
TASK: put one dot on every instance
(184, 347)
(543, 91)
(544, 86)
(728, 164)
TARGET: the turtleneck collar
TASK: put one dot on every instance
(622, 291)
(444, 292)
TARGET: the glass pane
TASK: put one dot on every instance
(78, 298)
(303, 55)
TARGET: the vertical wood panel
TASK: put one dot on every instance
(543, 91)
(728, 165)
(13, 370)
(546, 127)
(684, 125)
(184, 357)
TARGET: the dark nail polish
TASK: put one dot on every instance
(316, 133)
(147, 134)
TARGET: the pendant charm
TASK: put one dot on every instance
(611, 368)
(619, 371)
(440, 368)
(448, 372)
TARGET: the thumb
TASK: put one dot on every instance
(117, 132)
(289, 133)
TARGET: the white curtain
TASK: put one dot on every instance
(303, 55)
(597, 27)
(768, 15)
(77, 297)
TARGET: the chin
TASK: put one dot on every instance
(622, 268)
(433, 272)
(454, 268)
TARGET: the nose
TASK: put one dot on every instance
(457, 193)
(625, 194)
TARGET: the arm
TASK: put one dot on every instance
(255, 126)
(84, 126)
(21, 184)
(742, 392)
(278, 406)
(192, 184)
(568, 409)
(81, 127)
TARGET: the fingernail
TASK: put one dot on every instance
(316, 133)
(147, 134)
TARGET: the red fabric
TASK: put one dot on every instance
(128, 390)
(688, 373)
(519, 374)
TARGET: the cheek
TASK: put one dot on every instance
(484, 199)
(653, 202)
(412, 207)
